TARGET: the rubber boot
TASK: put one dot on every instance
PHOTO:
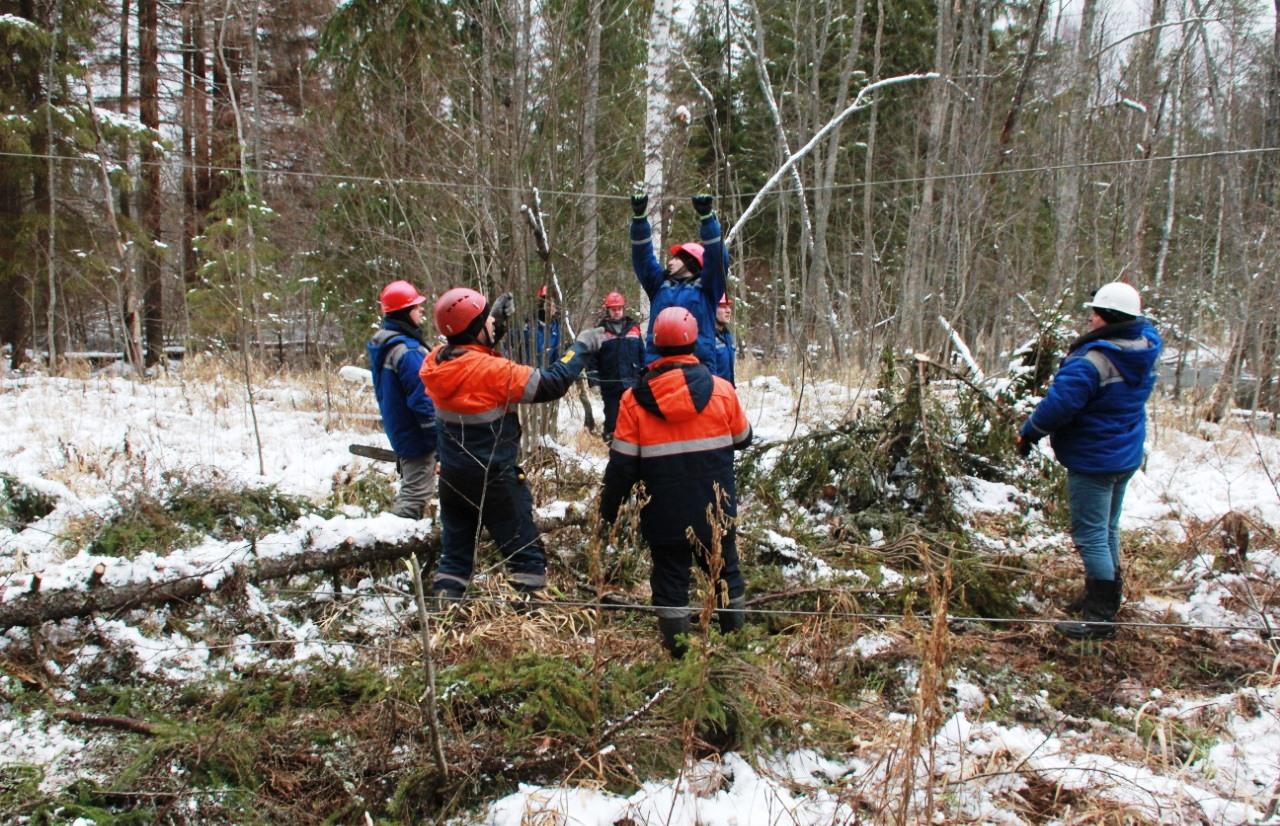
(1076, 605)
(1102, 596)
(673, 631)
(733, 616)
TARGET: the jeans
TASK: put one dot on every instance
(1095, 500)
(502, 504)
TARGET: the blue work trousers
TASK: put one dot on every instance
(500, 502)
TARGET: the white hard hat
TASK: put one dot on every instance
(1117, 296)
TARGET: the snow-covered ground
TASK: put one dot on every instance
(86, 441)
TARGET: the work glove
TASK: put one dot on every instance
(591, 339)
(502, 310)
(703, 205)
(1024, 446)
(639, 204)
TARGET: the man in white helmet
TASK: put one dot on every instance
(1095, 415)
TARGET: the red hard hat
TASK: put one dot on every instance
(457, 309)
(674, 327)
(693, 250)
(726, 301)
(400, 294)
(614, 299)
(542, 291)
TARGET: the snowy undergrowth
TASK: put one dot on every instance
(1021, 740)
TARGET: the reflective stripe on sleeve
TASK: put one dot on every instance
(531, 386)
(742, 436)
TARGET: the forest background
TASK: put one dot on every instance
(243, 176)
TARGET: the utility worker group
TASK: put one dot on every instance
(672, 420)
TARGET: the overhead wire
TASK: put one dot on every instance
(382, 180)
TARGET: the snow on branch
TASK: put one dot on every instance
(860, 102)
(962, 350)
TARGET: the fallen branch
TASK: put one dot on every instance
(34, 608)
(108, 721)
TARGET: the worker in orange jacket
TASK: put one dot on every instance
(476, 390)
(676, 432)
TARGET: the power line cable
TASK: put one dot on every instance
(570, 193)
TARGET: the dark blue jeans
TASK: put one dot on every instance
(502, 504)
(1095, 500)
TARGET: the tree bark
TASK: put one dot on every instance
(43, 606)
(591, 156)
(151, 198)
(1066, 269)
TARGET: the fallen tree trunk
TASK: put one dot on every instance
(42, 606)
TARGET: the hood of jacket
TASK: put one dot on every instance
(675, 388)
(1132, 346)
(446, 380)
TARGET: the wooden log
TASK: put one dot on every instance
(36, 607)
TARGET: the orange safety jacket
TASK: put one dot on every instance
(476, 389)
(676, 432)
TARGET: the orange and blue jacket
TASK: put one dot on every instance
(676, 432)
(476, 390)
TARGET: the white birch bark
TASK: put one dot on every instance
(657, 105)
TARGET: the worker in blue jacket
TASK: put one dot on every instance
(396, 353)
(620, 362)
(694, 277)
(725, 347)
(538, 342)
(1095, 415)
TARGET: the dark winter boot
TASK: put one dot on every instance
(673, 630)
(1076, 605)
(444, 597)
(733, 616)
(1101, 600)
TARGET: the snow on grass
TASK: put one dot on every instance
(84, 441)
(40, 741)
(796, 789)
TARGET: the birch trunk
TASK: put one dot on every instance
(1066, 268)
(656, 115)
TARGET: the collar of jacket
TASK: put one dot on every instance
(1124, 329)
(401, 327)
(449, 352)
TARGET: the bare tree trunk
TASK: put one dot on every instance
(1024, 80)
(656, 116)
(1066, 265)
(921, 235)
(1271, 127)
(51, 193)
(152, 201)
(591, 155)
(126, 285)
(869, 302)
(1177, 105)
(251, 247)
